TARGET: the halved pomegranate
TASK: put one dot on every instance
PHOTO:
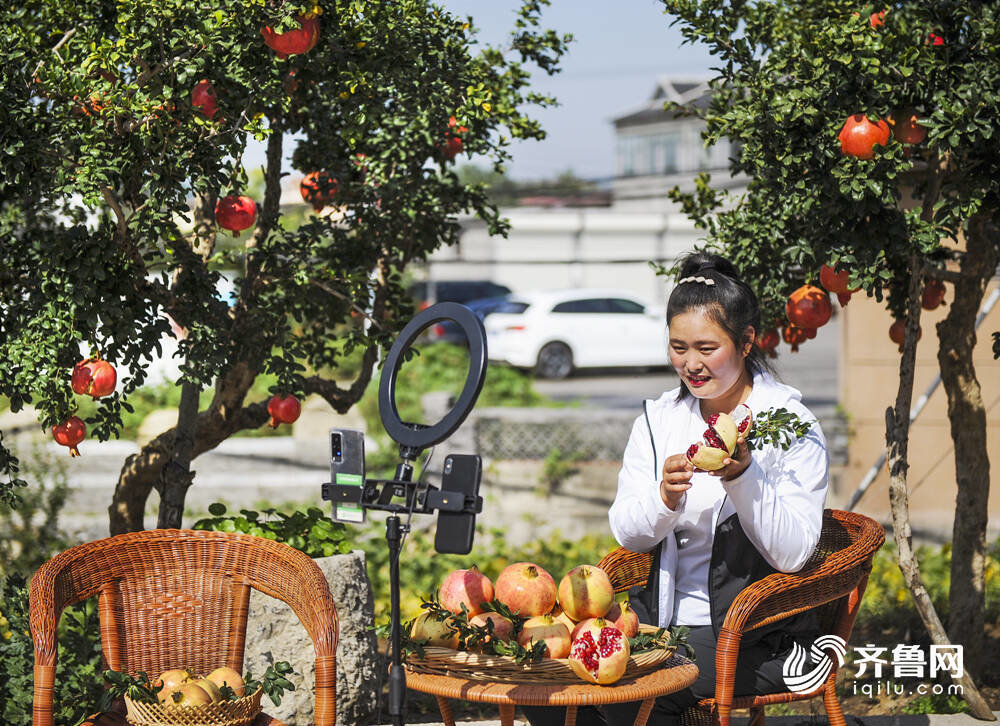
(600, 658)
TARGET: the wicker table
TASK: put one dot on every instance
(675, 674)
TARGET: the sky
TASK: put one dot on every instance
(621, 47)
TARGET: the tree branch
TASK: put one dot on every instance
(69, 34)
(343, 296)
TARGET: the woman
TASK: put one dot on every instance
(714, 533)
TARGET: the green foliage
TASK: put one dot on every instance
(311, 531)
(557, 467)
(506, 192)
(30, 534)
(102, 151)
(273, 681)
(777, 427)
(936, 703)
(78, 676)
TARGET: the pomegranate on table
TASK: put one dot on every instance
(586, 592)
(470, 588)
(623, 617)
(526, 588)
(599, 654)
(548, 630)
(503, 628)
(440, 633)
(719, 440)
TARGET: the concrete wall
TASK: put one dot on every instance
(869, 364)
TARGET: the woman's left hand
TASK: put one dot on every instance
(735, 465)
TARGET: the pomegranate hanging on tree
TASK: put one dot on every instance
(858, 136)
(933, 294)
(768, 342)
(794, 336)
(318, 188)
(897, 331)
(298, 40)
(808, 307)
(283, 409)
(204, 99)
(70, 433)
(837, 283)
(236, 213)
(453, 139)
(94, 377)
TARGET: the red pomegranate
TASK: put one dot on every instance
(70, 433)
(586, 592)
(235, 213)
(94, 377)
(906, 128)
(808, 307)
(548, 630)
(300, 40)
(934, 39)
(858, 136)
(897, 333)
(526, 588)
(623, 617)
(203, 97)
(933, 294)
(769, 341)
(318, 188)
(600, 657)
(453, 142)
(283, 409)
(877, 19)
(290, 83)
(470, 588)
(837, 283)
(793, 336)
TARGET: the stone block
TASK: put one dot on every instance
(274, 634)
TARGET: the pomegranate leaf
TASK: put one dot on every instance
(778, 427)
(136, 687)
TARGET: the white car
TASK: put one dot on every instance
(560, 330)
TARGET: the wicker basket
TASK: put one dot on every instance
(223, 713)
(482, 667)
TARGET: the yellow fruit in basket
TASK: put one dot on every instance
(228, 677)
(171, 680)
(435, 631)
(210, 688)
(189, 695)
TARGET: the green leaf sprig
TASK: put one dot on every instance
(273, 681)
(663, 639)
(778, 427)
(137, 687)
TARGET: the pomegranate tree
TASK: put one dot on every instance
(600, 655)
(94, 377)
(70, 433)
(859, 136)
(283, 409)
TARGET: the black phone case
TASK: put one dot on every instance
(456, 530)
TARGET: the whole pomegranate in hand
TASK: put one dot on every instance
(283, 409)
(586, 592)
(299, 40)
(600, 655)
(470, 588)
(526, 588)
(235, 213)
(858, 136)
(808, 307)
(70, 433)
(94, 377)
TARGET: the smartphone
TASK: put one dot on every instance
(455, 530)
(347, 468)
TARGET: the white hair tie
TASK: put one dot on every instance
(702, 280)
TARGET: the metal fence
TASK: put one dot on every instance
(533, 433)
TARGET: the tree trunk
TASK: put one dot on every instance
(897, 432)
(967, 416)
(176, 476)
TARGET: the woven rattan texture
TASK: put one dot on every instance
(179, 598)
(241, 712)
(832, 582)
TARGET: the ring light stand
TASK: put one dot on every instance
(412, 439)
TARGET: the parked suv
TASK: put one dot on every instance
(560, 330)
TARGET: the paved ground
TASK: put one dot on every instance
(956, 719)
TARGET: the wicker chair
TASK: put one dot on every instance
(833, 581)
(173, 598)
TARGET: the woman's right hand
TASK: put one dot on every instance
(675, 480)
